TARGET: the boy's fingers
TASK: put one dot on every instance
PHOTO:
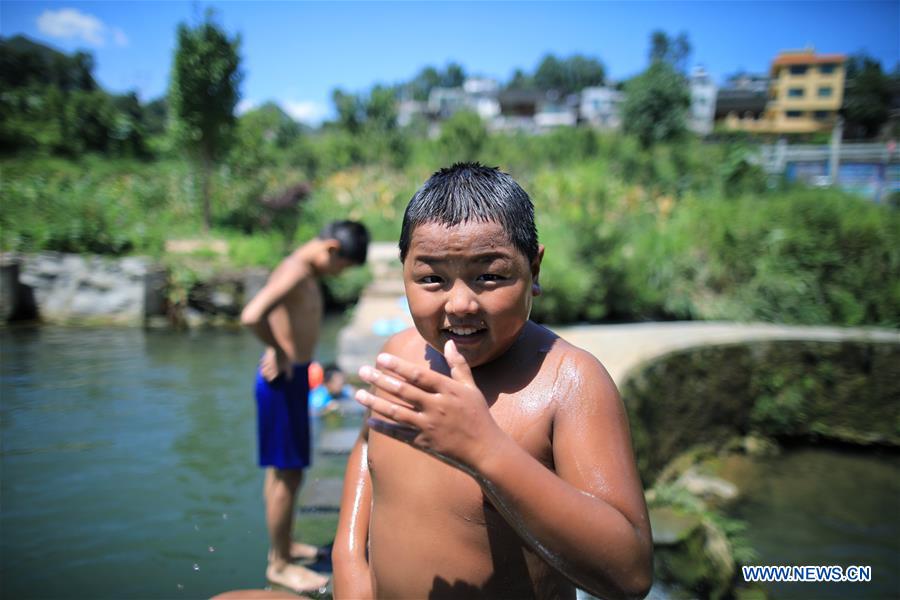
(389, 409)
(394, 387)
(459, 368)
(416, 375)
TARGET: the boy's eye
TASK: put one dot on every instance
(430, 279)
(490, 277)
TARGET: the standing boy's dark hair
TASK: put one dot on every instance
(353, 237)
(472, 192)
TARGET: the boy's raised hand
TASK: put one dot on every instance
(444, 416)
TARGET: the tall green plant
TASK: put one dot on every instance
(203, 94)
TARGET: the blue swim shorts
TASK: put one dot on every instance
(282, 416)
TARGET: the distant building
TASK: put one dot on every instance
(444, 102)
(755, 82)
(703, 101)
(477, 94)
(601, 107)
(806, 92)
(481, 96)
(742, 102)
(407, 110)
(554, 110)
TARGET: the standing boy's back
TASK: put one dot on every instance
(502, 467)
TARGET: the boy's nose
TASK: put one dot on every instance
(461, 300)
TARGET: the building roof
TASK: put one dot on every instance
(740, 102)
(806, 58)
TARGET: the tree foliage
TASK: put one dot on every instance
(453, 75)
(656, 105)
(674, 51)
(568, 75)
(563, 75)
(50, 103)
(867, 99)
(203, 93)
(462, 137)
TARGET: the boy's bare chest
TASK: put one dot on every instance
(403, 475)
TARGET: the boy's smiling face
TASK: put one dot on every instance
(469, 283)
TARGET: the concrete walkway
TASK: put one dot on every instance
(623, 348)
(382, 311)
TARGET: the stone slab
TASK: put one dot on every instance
(322, 495)
(338, 441)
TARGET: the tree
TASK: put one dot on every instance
(867, 98)
(462, 136)
(674, 51)
(203, 94)
(656, 105)
(569, 75)
(520, 81)
(262, 136)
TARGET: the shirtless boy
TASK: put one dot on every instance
(286, 315)
(497, 460)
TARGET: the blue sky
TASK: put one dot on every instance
(295, 53)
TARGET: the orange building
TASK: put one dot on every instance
(806, 91)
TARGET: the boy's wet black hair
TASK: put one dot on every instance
(353, 237)
(472, 192)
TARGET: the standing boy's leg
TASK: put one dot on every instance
(283, 430)
(280, 495)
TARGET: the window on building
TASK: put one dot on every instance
(793, 114)
(827, 69)
(798, 70)
(824, 92)
(795, 92)
(821, 115)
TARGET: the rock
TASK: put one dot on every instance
(718, 552)
(707, 487)
(193, 318)
(671, 526)
(691, 552)
(759, 446)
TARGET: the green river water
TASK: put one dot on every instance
(129, 464)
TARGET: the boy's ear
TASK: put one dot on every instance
(332, 245)
(536, 271)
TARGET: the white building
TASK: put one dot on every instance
(407, 110)
(601, 107)
(703, 101)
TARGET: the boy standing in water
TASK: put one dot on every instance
(498, 461)
(286, 316)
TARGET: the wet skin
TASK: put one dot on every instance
(500, 466)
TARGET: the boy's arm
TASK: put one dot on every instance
(290, 273)
(351, 567)
(588, 519)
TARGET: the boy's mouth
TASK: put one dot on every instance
(464, 334)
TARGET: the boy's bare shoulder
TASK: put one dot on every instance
(576, 367)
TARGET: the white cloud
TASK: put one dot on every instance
(245, 105)
(309, 112)
(70, 23)
(119, 37)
